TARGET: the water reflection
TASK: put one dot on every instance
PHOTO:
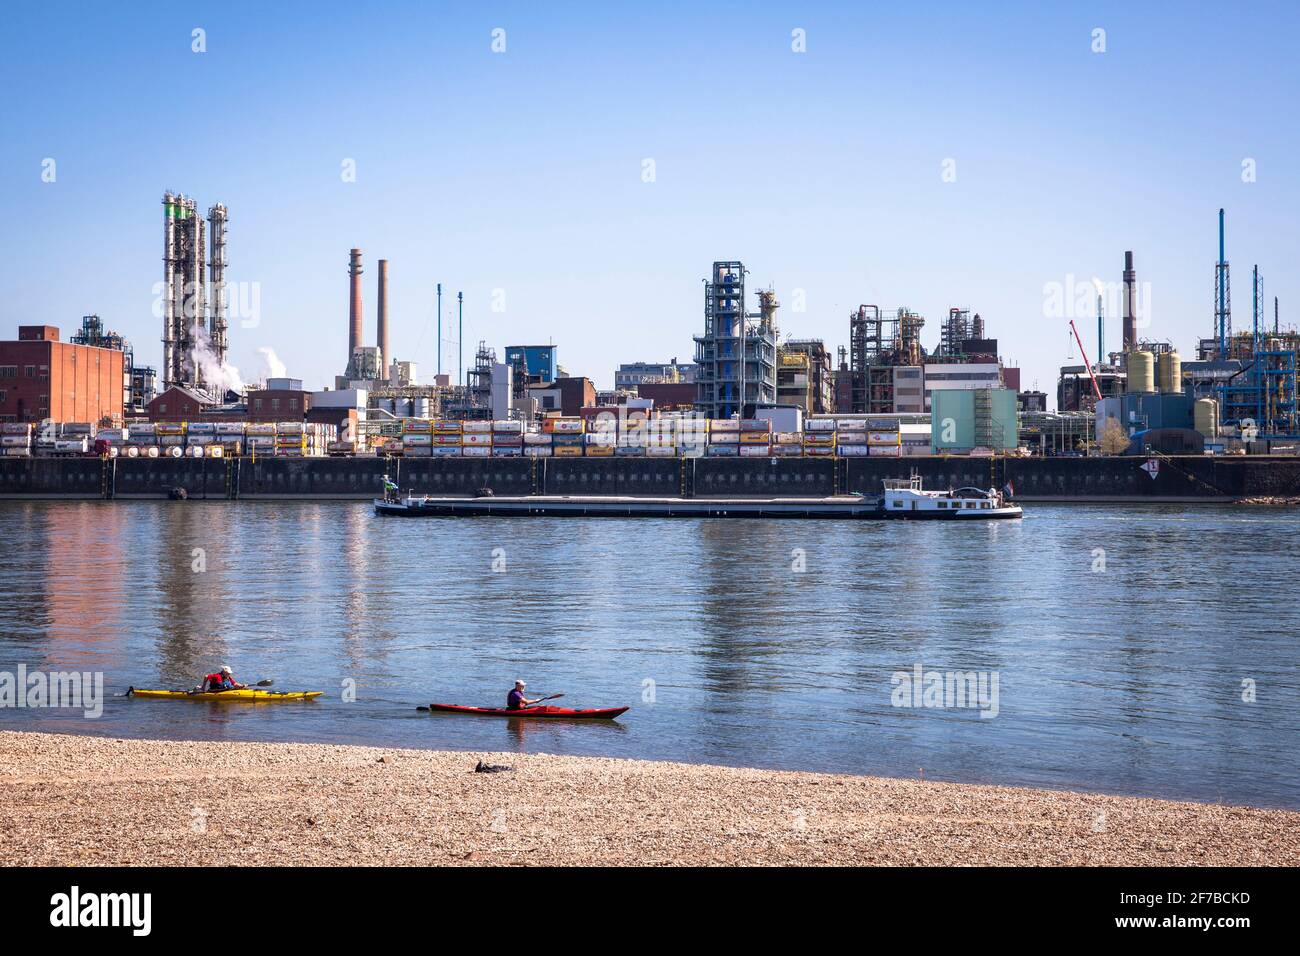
(759, 643)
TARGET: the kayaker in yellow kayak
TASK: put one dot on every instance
(515, 700)
(221, 680)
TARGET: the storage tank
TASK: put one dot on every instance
(1170, 372)
(1205, 417)
(1141, 371)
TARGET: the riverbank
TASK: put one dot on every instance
(72, 800)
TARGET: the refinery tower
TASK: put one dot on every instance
(194, 301)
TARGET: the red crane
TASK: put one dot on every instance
(1096, 389)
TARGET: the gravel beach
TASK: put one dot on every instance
(73, 800)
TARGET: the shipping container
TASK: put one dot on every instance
(723, 425)
(446, 426)
(661, 451)
(476, 438)
(568, 451)
(853, 451)
(476, 427)
(724, 438)
(537, 451)
(627, 451)
(755, 451)
(883, 438)
(507, 451)
(477, 451)
(506, 427)
(723, 451)
(787, 451)
(754, 438)
(850, 438)
(819, 425)
(889, 451)
(536, 438)
(410, 439)
(819, 451)
(445, 451)
(567, 425)
(756, 425)
(599, 451)
(417, 451)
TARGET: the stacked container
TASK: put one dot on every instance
(819, 437)
(755, 438)
(884, 438)
(417, 438)
(15, 439)
(507, 439)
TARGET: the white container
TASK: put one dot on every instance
(201, 428)
(568, 425)
(882, 438)
(509, 451)
(853, 451)
(888, 451)
(852, 425)
(723, 425)
(194, 451)
(819, 425)
(229, 428)
(787, 451)
(724, 438)
(476, 427)
(537, 438)
(661, 451)
(74, 446)
(476, 438)
(538, 451)
(476, 451)
(446, 451)
(755, 451)
(216, 451)
(150, 452)
(723, 451)
(411, 440)
(850, 438)
(508, 427)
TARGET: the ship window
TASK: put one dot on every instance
(898, 504)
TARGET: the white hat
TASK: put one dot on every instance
(520, 683)
(225, 668)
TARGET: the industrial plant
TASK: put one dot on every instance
(746, 392)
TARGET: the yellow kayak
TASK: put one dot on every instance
(245, 694)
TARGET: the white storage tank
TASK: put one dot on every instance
(1141, 371)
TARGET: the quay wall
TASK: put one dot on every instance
(1050, 479)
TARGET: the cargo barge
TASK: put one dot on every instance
(903, 499)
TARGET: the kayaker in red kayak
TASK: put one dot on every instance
(221, 680)
(515, 700)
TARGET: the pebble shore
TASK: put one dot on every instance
(75, 800)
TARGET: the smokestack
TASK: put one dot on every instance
(354, 304)
(383, 314)
(1130, 323)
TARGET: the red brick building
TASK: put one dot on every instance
(178, 404)
(41, 377)
(669, 395)
(576, 394)
(278, 405)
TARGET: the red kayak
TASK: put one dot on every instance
(561, 713)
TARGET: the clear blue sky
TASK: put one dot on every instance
(522, 170)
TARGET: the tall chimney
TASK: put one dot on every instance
(354, 304)
(1130, 323)
(383, 316)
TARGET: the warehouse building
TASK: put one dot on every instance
(41, 377)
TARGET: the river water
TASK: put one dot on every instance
(1122, 649)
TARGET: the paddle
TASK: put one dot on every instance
(538, 701)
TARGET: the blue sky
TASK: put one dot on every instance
(521, 171)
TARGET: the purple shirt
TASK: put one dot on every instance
(515, 699)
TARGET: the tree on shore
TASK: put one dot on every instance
(1114, 438)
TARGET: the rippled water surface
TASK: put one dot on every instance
(1128, 680)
